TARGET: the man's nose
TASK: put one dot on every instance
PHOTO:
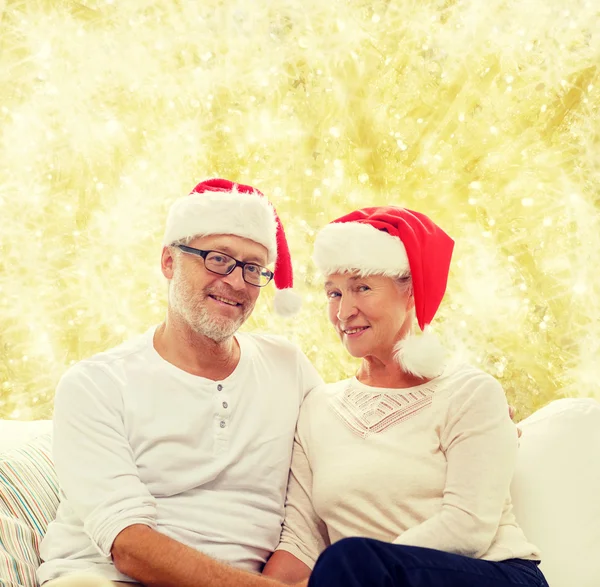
(235, 279)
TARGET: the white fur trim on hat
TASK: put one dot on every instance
(249, 216)
(354, 246)
(421, 355)
(287, 302)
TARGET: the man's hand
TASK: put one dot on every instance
(154, 559)
(511, 413)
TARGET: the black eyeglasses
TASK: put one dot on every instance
(222, 264)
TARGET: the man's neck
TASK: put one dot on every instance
(195, 353)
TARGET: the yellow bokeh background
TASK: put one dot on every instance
(483, 115)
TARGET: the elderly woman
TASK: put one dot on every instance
(400, 474)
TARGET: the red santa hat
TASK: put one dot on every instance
(220, 206)
(394, 242)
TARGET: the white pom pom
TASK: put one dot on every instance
(80, 580)
(423, 356)
(287, 302)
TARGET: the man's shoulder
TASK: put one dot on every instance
(272, 344)
(113, 357)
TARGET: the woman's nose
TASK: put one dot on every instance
(346, 309)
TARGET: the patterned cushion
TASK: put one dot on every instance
(28, 502)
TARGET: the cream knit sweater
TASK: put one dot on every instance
(426, 466)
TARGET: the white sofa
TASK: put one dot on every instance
(556, 489)
(14, 433)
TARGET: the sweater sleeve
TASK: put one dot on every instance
(480, 443)
(93, 459)
(308, 376)
(304, 534)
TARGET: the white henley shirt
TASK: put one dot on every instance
(139, 441)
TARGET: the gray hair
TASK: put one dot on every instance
(182, 241)
(405, 282)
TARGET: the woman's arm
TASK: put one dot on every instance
(480, 444)
(285, 567)
(304, 535)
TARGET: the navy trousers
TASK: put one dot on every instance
(363, 562)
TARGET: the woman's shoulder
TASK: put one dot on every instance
(313, 411)
(327, 390)
(467, 380)
(468, 372)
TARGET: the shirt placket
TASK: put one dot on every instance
(222, 416)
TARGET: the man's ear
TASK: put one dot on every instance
(167, 261)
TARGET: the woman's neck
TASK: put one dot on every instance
(376, 372)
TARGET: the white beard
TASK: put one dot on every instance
(197, 315)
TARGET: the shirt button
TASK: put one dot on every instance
(225, 405)
(222, 424)
(219, 387)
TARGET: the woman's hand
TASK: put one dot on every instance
(285, 567)
(511, 413)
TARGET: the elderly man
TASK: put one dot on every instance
(173, 449)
